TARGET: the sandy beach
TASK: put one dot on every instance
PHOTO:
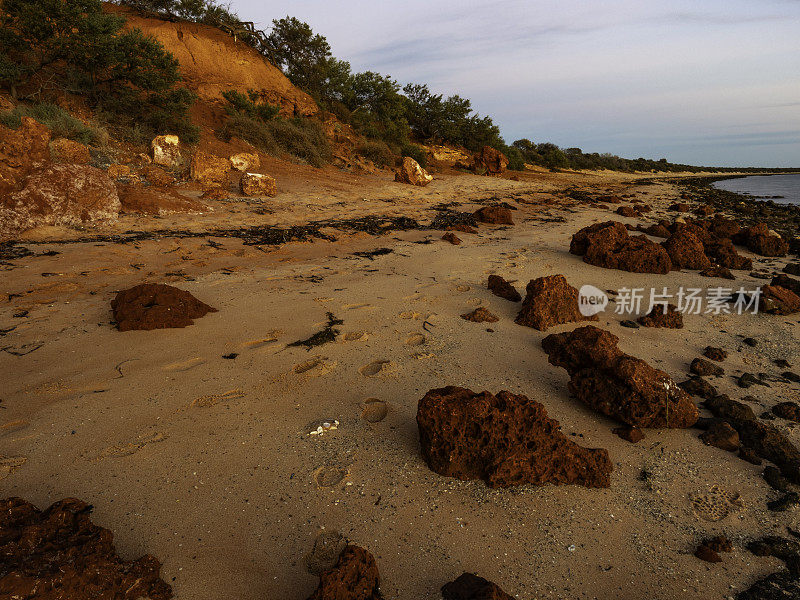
(194, 444)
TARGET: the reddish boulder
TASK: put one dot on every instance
(680, 207)
(22, 150)
(704, 210)
(616, 384)
(452, 238)
(721, 227)
(480, 315)
(721, 435)
(156, 306)
(502, 288)
(668, 317)
(628, 211)
(723, 253)
(505, 440)
(355, 577)
(634, 435)
(210, 170)
(762, 241)
(490, 161)
(69, 151)
(59, 553)
(717, 354)
(62, 195)
(412, 173)
(609, 245)
(686, 251)
(717, 271)
(777, 300)
(494, 215)
(787, 410)
(786, 282)
(656, 230)
(550, 301)
(155, 201)
(703, 367)
(471, 587)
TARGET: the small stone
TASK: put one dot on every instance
(480, 315)
(721, 435)
(717, 354)
(700, 366)
(634, 435)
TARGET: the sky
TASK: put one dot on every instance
(706, 82)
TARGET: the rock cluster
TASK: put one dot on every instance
(550, 301)
(156, 306)
(504, 440)
(616, 384)
(609, 245)
(60, 553)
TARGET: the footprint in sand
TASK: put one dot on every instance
(212, 399)
(314, 367)
(185, 365)
(474, 301)
(356, 336)
(462, 288)
(9, 464)
(12, 426)
(330, 475)
(415, 339)
(378, 367)
(375, 410)
(410, 314)
(120, 450)
(270, 338)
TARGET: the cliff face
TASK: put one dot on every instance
(212, 62)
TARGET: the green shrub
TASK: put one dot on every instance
(59, 121)
(378, 152)
(249, 105)
(418, 153)
(302, 138)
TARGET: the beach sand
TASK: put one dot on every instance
(207, 463)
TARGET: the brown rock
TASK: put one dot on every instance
(704, 210)
(671, 318)
(494, 215)
(721, 227)
(210, 170)
(156, 306)
(21, 151)
(762, 241)
(697, 386)
(217, 193)
(717, 271)
(616, 384)
(609, 245)
(787, 283)
(471, 587)
(256, 184)
(490, 161)
(701, 366)
(59, 553)
(686, 251)
(452, 238)
(628, 211)
(355, 577)
(721, 435)
(462, 227)
(412, 173)
(719, 543)
(505, 440)
(717, 354)
(705, 553)
(245, 161)
(118, 171)
(69, 151)
(550, 301)
(787, 410)
(723, 253)
(655, 230)
(157, 176)
(680, 207)
(480, 315)
(778, 301)
(165, 150)
(502, 288)
(63, 195)
(634, 435)
(155, 201)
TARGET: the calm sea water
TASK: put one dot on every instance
(787, 186)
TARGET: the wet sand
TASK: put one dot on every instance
(206, 462)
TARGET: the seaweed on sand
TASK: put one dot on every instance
(323, 336)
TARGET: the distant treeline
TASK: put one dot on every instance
(389, 115)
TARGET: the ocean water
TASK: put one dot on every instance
(765, 186)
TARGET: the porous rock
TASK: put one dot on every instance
(609, 245)
(504, 440)
(355, 577)
(59, 553)
(156, 306)
(686, 251)
(550, 301)
(777, 300)
(468, 586)
(480, 315)
(209, 170)
(616, 384)
(258, 184)
(503, 289)
(668, 317)
(494, 215)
